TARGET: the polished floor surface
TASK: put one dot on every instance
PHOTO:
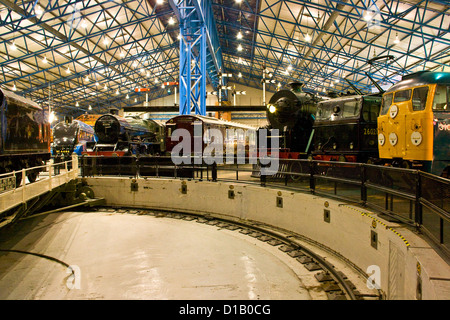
(128, 256)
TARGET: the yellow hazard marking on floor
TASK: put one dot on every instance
(375, 220)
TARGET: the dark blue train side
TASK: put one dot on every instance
(25, 135)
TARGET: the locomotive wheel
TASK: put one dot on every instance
(295, 167)
(85, 192)
(405, 164)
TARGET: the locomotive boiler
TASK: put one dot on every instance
(121, 136)
(70, 136)
(292, 112)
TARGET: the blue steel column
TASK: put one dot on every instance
(185, 71)
(203, 72)
(199, 44)
(192, 61)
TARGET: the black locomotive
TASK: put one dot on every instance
(121, 136)
(25, 136)
(345, 129)
(292, 112)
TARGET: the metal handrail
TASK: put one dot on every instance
(393, 183)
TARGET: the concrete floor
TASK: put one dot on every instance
(127, 256)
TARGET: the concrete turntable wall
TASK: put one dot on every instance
(349, 231)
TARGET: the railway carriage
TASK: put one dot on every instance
(236, 138)
(24, 135)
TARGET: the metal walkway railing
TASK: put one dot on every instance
(52, 175)
(413, 197)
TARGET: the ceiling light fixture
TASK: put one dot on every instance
(39, 11)
(239, 35)
(308, 38)
(397, 40)
(239, 48)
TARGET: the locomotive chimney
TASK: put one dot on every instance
(114, 111)
(296, 86)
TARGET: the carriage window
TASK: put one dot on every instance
(419, 99)
(403, 95)
(386, 103)
(441, 98)
(351, 109)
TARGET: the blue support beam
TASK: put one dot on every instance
(200, 53)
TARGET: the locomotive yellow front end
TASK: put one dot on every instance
(407, 122)
(405, 126)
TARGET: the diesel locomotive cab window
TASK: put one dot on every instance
(386, 103)
(441, 98)
(419, 99)
(403, 95)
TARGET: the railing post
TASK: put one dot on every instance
(418, 205)
(363, 185)
(157, 159)
(49, 175)
(137, 167)
(262, 176)
(214, 171)
(24, 177)
(312, 185)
